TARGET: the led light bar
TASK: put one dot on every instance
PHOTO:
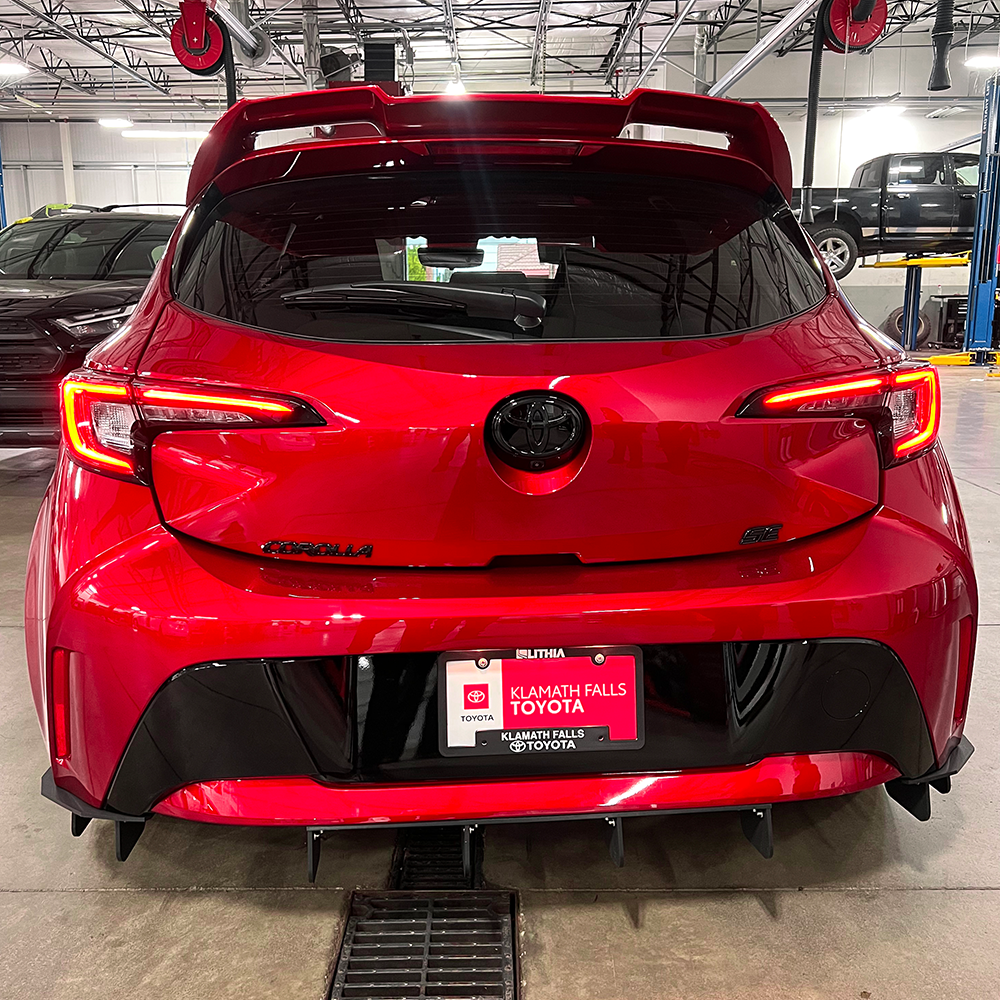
(101, 414)
(903, 404)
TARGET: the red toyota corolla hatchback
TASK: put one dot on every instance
(471, 461)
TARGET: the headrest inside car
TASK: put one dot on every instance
(450, 256)
(490, 279)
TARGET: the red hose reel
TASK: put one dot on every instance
(846, 27)
(198, 39)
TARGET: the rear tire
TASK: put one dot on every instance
(837, 247)
(893, 327)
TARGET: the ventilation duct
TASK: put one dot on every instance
(941, 36)
(336, 65)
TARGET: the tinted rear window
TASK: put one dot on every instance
(871, 174)
(613, 256)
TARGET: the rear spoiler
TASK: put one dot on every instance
(753, 133)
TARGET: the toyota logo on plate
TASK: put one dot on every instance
(476, 696)
(516, 746)
(536, 431)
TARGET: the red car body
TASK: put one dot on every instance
(238, 600)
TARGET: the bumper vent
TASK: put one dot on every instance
(434, 947)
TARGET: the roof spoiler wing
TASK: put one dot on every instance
(753, 133)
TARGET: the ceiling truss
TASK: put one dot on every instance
(88, 56)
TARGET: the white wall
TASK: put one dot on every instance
(108, 168)
(111, 168)
(844, 140)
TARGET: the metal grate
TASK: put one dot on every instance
(434, 857)
(434, 946)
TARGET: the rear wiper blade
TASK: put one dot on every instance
(526, 309)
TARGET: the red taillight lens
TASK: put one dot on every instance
(60, 703)
(97, 419)
(107, 423)
(903, 405)
(182, 406)
(825, 395)
(915, 403)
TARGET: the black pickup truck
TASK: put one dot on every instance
(898, 203)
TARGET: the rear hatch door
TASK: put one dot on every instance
(406, 468)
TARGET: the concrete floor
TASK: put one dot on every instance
(860, 900)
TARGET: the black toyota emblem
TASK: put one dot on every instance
(536, 430)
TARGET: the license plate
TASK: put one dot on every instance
(528, 701)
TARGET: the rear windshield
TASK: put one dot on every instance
(83, 249)
(393, 257)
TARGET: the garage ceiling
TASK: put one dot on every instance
(94, 57)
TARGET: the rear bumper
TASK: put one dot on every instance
(29, 436)
(360, 722)
(152, 606)
(307, 802)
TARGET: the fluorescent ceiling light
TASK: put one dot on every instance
(115, 122)
(9, 69)
(983, 62)
(886, 111)
(162, 133)
(31, 104)
(455, 87)
(439, 51)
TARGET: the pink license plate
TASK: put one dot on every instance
(528, 701)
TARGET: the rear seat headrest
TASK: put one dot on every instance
(495, 279)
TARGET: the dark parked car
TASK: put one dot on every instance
(898, 203)
(67, 280)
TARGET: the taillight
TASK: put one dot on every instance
(174, 406)
(97, 419)
(60, 703)
(904, 406)
(108, 424)
(915, 404)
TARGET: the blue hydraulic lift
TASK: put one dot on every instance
(3, 209)
(977, 347)
(983, 265)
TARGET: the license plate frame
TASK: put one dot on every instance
(597, 683)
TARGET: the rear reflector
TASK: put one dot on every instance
(60, 703)
(903, 405)
(101, 414)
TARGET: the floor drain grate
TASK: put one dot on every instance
(437, 857)
(427, 945)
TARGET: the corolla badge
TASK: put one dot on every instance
(536, 431)
(279, 548)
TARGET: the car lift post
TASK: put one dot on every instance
(983, 266)
(911, 307)
(3, 210)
